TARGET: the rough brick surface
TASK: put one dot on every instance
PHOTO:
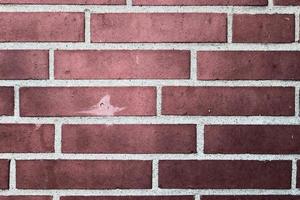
(79, 174)
(104, 101)
(202, 2)
(122, 64)
(254, 139)
(80, 2)
(298, 174)
(228, 101)
(20, 64)
(129, 138)
(248, 65)
(6, 101)
(158, 27)
(43, 27)
(25, 198)
(287, 2)
(216, 174)
(262, 28)
(251, 197)
(26, 138)
(4, 174)
(129, 198)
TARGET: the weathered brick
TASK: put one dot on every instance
(83, 174)
(202, 2)
(87, 101)
(298, 174)
(252, 197)
(122, 64)
(25, 198)
(127, 198)
(287, 2)
(228, 101)
(41, 27)
(257, 139)
(129, 138)
(80, 2)
(263, 28)
(225, 174)
(6, 101)
(4, 174)
(158, 27)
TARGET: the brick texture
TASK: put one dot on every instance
(80, 2)
(4, 174)
(203, 2)
(6, 101)
(287, 2)
(253, 197)
(129, 198)
(25, 198)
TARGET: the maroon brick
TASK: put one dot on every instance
(228, 101)
(83, 174)
(263, 28)
(158, 27)
(41, 27)
(4, 174)
(26, 138)
(252, 197)
(248, 65)
(224, 174)
(128, 198)
(6, 101)
(257, 139)
(122, 64)
(20, 64)
(88, 101)
(81, 2)
(287, 2)
(298, 174)
(25, 198)
(202, 2)
(129, 138)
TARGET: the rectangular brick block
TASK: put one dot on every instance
(158, 27)
(25, 198)
(26, 138)
(287, 2)
(228, 101)
(127, 198)
(88, 101)
(83, 174)
(41, 27)
(129, 138)
(298, 174)
(224, 174)
(249, 65)
(122, 64)
(6, 101)
(23, 64)
(263, 28)
(4, 174)
(251, 197)
(255, 139)
(80, 2)
(202, 2)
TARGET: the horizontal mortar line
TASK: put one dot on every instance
(259, 120)
(162, 9)
(148, 192)
(149, 82)
(152, 46)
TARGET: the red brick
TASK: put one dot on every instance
(41, 27)
(4, 174)
(248, 65)
(127, 198)
(83, 174)
(25, 198)
(20, 64)
(228, 101)
(255, 139)
(252, 197)
(122, 64)
(275, 28)
(6, 101)
(298, 174)
(287, 2)
(202, 2)
(158, 27)
(81, 2)
(88, 101)
(225, 174)
(26, 138)
(129, 139)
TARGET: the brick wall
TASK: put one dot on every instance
(149, 100)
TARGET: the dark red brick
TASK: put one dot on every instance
(41, 27)
(252, 197)
(263, 28)
(129, 138)
(287, 2)
(202, 2)
(23, 64)
(255, 139)
(122, 64)
(25, 198)
(83, 174)
(158, 27)
(4, 174)
(26, 138)
(298, 174)
(127, 198)
(80, 2)
(248, 65)
(6, 101)
(88, 101)
(225, 174)
(228, 101)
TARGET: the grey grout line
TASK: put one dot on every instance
(16, 101)
(155, 174)
(297, 26)
(229, 27)
(12, 175)
(158, 100)
(87, 26)
(297, 101)
(58, 138)
(51, 64)
(200, 140)
(193, 65)
(294, 174)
